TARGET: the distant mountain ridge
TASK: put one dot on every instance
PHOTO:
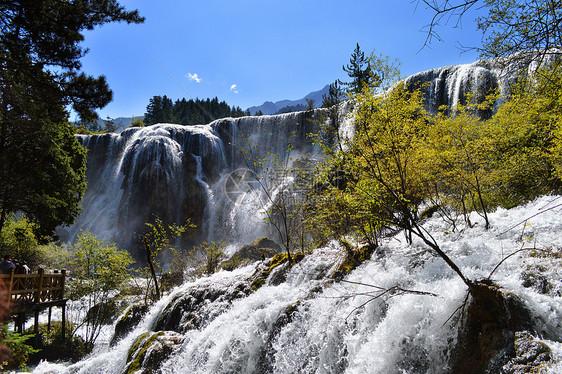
(271, 108)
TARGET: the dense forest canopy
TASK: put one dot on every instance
(161, 109)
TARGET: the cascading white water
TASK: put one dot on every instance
(178, 173)
(451, 85)
(390, 315)
(146, 172)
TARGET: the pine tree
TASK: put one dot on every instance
(42, 164)
(359, 70)
(332, 101)
(188, 112)
(154, 111)
(167, 111)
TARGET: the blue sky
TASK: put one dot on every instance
(248, 51)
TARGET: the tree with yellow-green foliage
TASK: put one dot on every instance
(156, 240)
(386, 183)
(455, 163)
(384, 154)
(509, 159)
(520, 139)
(18, 240)
(100, 270)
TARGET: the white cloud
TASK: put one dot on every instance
(234, 88)
(193, 77)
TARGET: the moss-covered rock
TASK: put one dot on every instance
(150, 350)
(260, 249)
(129, 320)
(353, 258)
(262, 273)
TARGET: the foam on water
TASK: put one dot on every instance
(390, 315)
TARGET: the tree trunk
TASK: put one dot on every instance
(151, 266)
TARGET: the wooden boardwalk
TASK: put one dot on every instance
(32, 293)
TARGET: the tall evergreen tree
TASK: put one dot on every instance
(359, 70)
(167, 110)
(41, 163)
(332, 101)
(153, 110)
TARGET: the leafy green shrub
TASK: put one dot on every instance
(15, 350)
(18, 240)
(51, 346)
(100, 271)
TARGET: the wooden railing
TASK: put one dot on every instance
(26, 289)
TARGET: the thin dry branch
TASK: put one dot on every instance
(444, 10)
(524, 221)
(381, 291)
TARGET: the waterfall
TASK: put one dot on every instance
(178, 173)
(449, 86)
(398, 313)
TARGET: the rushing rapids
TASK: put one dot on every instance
(398, 313)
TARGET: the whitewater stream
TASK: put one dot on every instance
(304, 322)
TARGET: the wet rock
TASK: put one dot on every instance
(531, 356)
(129, 321)
(353, 258)
(487, 337)
(199, 305)
(160, 350)
(260, 249)
(266, 356)
(536, 277)
(274, 271)
(150, 350)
